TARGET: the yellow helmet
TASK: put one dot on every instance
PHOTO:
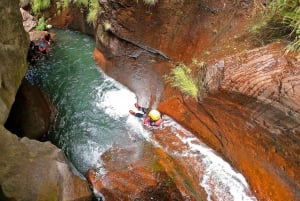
(154, 115)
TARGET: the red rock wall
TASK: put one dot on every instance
(251, 113)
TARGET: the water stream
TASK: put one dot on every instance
(93, 116)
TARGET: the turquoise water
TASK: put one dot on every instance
(93, 116)
(92, 108)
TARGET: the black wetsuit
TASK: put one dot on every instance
(143, 114)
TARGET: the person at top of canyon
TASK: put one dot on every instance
(48, 38)
(32, 53)
(152, 117)
(44, 44)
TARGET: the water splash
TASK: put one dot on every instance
(116, 103)
(218, 178)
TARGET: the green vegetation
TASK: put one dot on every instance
(150, 2)
(186, 116)
(280, 20)
(182, 78)
(92, 6)
(107, 26)
(201, 72)
(156, 165)
(39, 5)
(84, 3)
(41, 26)
(62, 4)
(170, 181)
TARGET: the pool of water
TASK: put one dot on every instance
(92, 108)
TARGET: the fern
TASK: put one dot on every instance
(180, 77)
(281, 19)
(41, 26)
(92, 5)
(81, 2)
(150, 2)
(39, 5)
(65, 3)
(93, 12)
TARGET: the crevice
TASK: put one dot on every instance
(144, 47)
(217, 135)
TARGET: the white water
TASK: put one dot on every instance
(220, 181)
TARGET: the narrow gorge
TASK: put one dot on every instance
(246, 111)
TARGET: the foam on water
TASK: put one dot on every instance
(219, 179)
(116, 103)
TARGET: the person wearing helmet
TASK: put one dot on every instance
(152, 117)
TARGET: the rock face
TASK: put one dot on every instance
(32, 113)
(29, 22)
(142, 172)
(267, 75)
(251, 112)
(73, 18)
(29, 170)
(255, 113)
(13, 50)
(142, 38)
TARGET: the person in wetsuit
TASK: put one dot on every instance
(32, 53)
(151, 117)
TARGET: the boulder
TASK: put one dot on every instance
(29, 170)
(37, 36)
(32, 113)
(32, 170)
(13, 50)
(140, 171)
(29, 22)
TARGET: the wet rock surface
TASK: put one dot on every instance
(32, 114)
(250, 113)
(29, 22)
(13, 50)
(141, 172)
(251, 117)
(29, 170)
(73, 18)
(227, 123)
(32, 170)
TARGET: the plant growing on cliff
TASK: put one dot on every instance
(61, 4)
(39, 5)
(106, 26)
(92, 6)
(181, 78)
(201, 78)
(41, 26)
(170, 181)
(150, 2)
(84, 3)
(281, 19)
